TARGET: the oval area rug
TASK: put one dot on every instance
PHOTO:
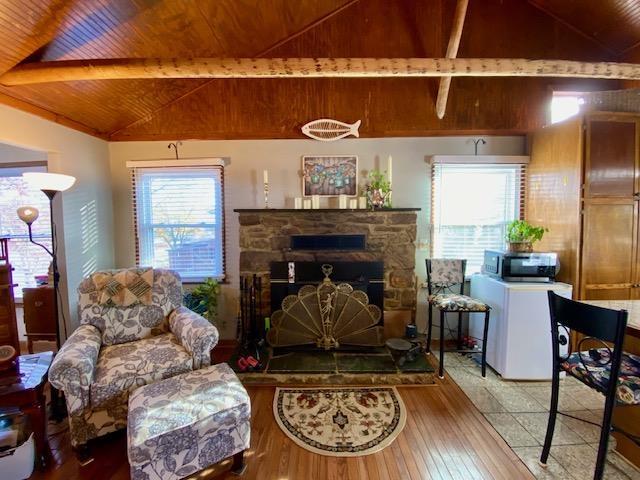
(340, 422)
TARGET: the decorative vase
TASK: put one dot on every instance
(520, 247)
(377, 198)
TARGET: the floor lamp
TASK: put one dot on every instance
(50, 184)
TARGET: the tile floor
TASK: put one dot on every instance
(518, 412)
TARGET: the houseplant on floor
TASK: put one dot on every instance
(521, 235)
(204, 300)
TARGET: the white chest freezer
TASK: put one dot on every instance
(519, 339)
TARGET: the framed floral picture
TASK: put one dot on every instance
(330, 175)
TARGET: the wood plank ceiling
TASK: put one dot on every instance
(49, 30)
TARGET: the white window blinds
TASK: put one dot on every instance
(179, 214)
(471, 206)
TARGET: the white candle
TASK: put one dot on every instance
(297, 203)
(353, 203)
(265, 176)
(390, 169)
(307, 204)
(315, 201)
(342, 201)
(362, 202)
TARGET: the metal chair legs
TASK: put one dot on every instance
(441, 365)
(430, 308)
(485, 333)
(553, 414)
(604, 437)
(604, 432)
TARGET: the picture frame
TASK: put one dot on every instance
(330, 175)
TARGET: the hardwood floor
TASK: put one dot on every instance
(445, 438)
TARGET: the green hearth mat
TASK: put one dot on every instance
(365, 363)
(303, 362)
(319, 361)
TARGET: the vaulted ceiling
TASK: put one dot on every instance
(51, 30)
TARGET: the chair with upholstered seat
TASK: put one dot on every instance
(593, 366)
(443, 276)
(133, 331)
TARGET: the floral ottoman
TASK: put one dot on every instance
(187, 423)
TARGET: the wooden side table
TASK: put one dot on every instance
(23, 388)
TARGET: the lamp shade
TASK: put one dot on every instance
(28, 214)
(53, 182)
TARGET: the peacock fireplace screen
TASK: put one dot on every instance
(327, 316)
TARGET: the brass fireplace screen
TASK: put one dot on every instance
(327, 316)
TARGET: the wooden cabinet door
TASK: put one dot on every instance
(609, 249)
(611, 153)
(39, 317)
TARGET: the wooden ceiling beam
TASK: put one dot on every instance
(131, 68)
(452, 52)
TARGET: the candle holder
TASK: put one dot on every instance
(266, 195)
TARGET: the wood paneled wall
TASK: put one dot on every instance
(387, 107)
(170, 109)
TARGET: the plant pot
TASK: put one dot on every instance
(520, 247)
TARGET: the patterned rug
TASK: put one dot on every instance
(340, 422)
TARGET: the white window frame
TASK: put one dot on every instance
(477, 161)
(16, 169)
(138, 168)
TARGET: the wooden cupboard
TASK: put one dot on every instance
(39, 314)
(584, 185)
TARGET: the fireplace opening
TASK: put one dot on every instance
(339, 286)
(329, 242)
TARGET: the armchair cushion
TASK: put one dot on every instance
(73, 367)
(195, 333)
(123, 368)
(124, 288)
(136, 322)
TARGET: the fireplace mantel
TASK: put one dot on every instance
(265, 237)
(323, 210)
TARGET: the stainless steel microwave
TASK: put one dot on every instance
(521, 267)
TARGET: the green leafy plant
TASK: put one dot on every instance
(204, 299)
(520, 231)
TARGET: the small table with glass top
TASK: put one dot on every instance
(22, 387)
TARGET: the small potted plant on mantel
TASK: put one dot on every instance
(378, 190)
(521, 235)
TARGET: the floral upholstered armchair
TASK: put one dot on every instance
(133, 331)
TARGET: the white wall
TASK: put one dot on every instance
(243, 184)
(83, 214)
(12, 154)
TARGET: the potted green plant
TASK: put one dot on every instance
(378, 190)
(521, 235)
(204, 300)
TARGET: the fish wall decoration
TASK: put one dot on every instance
(328, 130)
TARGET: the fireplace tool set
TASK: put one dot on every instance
(250, 324)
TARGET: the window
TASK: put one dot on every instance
(565, 105)
(471, 206)
(180, 220)
(27, 259)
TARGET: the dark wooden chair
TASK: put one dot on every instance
(592, 366)
(443, 277)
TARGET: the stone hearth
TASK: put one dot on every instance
(390, 237)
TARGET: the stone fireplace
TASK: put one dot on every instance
(274, 235)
